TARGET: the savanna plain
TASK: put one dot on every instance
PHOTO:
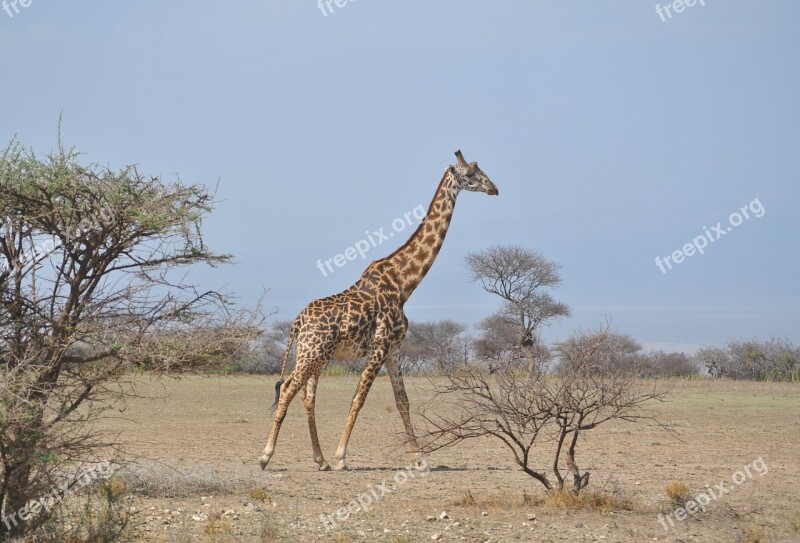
(191, 473)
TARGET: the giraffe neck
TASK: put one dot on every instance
(407, 266)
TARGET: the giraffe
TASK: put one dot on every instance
(367, 319)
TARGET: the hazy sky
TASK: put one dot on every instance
(613, 136)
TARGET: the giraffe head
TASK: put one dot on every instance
(469, 177)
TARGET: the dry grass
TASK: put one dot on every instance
(491, 502)
(465, 500)
(217, 527)
(98, 514)
(597, 501)
(754, 534)
(601, 502)
(259, 494)
(159, 481)
(678, 493)
(268, 531)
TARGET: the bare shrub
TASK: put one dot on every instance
(98, 514)
(678, 493)
(523, 409)
(155, 480)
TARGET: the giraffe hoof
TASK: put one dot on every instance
(341, 466)
(421, 464)
(325, 467)
(264, 462)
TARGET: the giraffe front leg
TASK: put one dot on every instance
(374, 364)
(288, 391)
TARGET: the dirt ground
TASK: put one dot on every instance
(211, 431)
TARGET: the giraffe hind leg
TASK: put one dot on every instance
(401, 400)
(309, 399)
(374, 364)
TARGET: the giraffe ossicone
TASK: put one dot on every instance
(367, 320)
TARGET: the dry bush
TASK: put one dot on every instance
(602, 502)
(678, 493)
(259, 494)
(159, 481)
(217, 527)
(268, 531)
(754, 534)
(523, 409)
(99, 514)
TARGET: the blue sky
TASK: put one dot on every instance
(613, 137)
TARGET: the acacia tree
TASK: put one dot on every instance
(89, 287)
(528, 409)
(519, 277)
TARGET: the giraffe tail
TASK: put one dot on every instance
(286, 354)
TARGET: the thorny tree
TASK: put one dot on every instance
(89, 287)
(524, 409)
